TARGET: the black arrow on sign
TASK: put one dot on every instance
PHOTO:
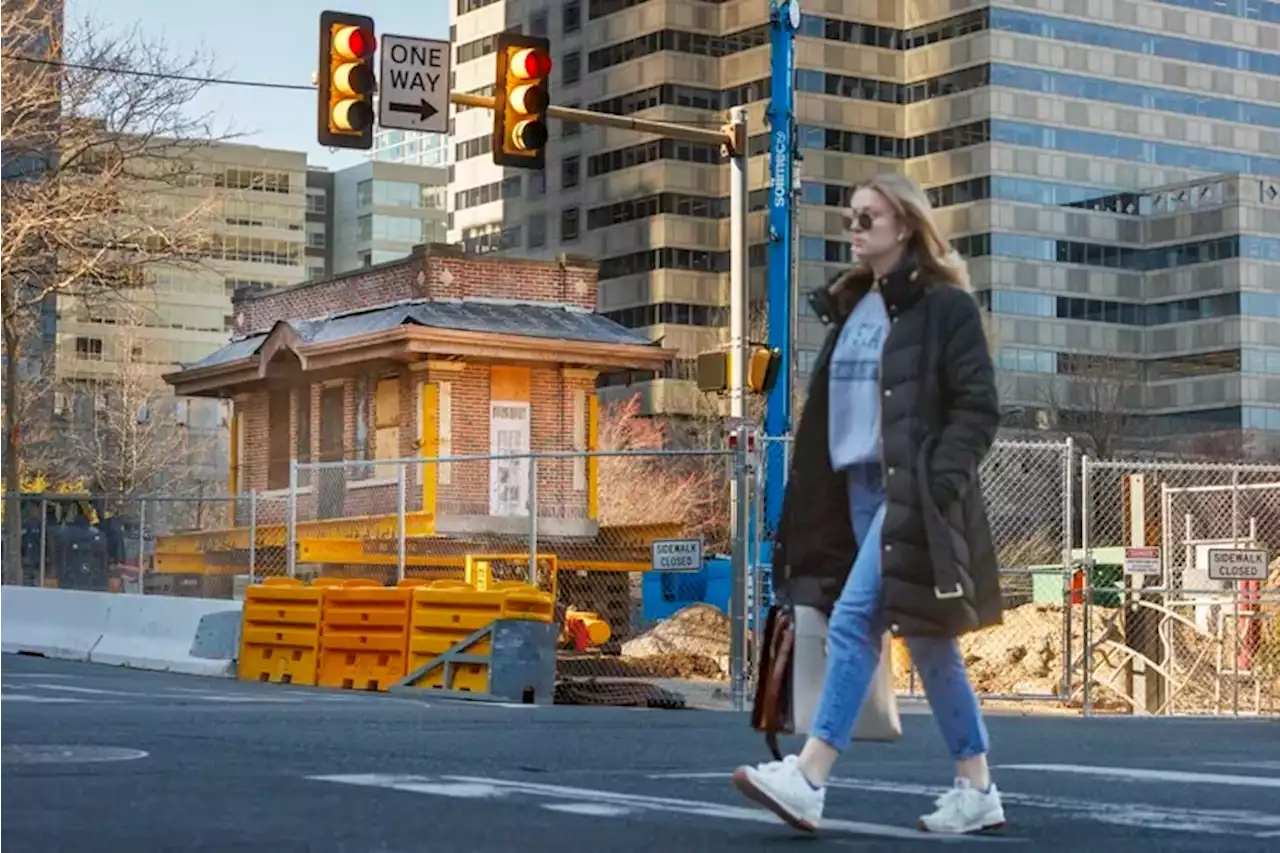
(423, 109)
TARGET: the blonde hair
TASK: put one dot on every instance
(926, 245)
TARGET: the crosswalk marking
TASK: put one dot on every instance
(615, 803)
(1136, 815)
(1141, 775)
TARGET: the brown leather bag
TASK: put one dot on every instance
(771, 709)
(779, 687)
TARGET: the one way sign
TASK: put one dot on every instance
(413, 88)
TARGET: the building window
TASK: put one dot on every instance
(89, 349)
(571, 68)
(378, 424)
(571, 17)
(569, 224)
(570, 172)
(302, 448)
(537, 231)
(538, 24)
(537, 184)
(278, 445)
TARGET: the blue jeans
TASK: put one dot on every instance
(856, 633)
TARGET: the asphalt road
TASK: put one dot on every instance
(103, 759)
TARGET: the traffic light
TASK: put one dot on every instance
(762, 369)
(712, 369)
(522, 93)
(345, 109)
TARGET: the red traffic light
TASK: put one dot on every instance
(530, 64)
(354, 42)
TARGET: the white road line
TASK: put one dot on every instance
(46, 700)
(588, 809)
(1139, 815)
(479, 787)
(1135, 774)
(39, 675)
(93, 691)
(1243, 765)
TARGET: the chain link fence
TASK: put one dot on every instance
(1168, 634)
(1088, 623)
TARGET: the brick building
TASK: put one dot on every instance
(436, 356)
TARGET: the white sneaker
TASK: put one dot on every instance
(965, 809)
(781, 788)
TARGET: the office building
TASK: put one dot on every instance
(1062, 143)
(410, 148)
(381, 210)
(252, 203)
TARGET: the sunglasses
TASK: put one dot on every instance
(861, 221)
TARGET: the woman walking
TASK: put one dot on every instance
(901, 410)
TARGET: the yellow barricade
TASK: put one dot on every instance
(280, 634)
(447, 612)
(365, 636)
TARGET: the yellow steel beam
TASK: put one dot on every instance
(417, 524)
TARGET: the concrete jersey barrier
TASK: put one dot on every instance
(195, 636)
(56, 623)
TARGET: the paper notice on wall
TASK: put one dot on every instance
(509, 430)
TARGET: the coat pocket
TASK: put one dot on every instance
(945, 533)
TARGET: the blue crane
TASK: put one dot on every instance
(784, 21)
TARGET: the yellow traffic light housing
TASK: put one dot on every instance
(522, 93)
(345, 115)
(714, 369)
(762, 369)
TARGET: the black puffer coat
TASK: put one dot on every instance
(940, 414)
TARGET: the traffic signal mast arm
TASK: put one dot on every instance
(727, 135)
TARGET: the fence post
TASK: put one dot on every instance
(291, 523)
(738, 591)
(533, 521)
(253, 533)
(44, 532)
(1086, 547)
(1235, 628)
(1068, 563)
(400, 522)
(142, 546)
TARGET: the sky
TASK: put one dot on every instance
(269, 40)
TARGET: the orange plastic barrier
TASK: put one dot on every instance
(446, 612)
(365, 636)
(280, 633)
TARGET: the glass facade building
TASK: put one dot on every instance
(1110, 169)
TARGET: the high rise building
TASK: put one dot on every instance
(378, 211)
(255, 203)
(410, 148)
(1110, 169)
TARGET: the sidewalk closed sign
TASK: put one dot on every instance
(1142, 561)
(1237, 564)
(677, 555)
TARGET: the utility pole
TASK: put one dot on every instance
(740, 503)
(784, 20)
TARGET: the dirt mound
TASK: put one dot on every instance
(694, 642)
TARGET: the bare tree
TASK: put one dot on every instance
(1094, 402)
(129, 435)
(691, 490)
(98, 148)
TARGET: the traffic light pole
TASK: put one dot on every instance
(733, 136)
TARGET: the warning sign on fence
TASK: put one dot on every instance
(1142, 561)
